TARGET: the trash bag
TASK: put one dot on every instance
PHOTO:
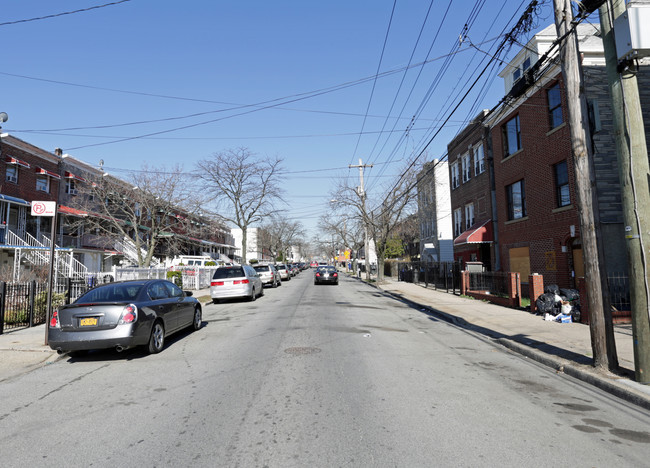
(570, 294)
(552, 288)
(546, 304)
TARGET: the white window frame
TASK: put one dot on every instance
(70, 188)
(458, 222)
(11, 174)
(455, 175)
(479, 159)
(469, 215)
(43, 188)
(467, 167)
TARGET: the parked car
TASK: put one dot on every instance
(285, 273)
(313, 265)
(326, 274)
(268, 275)
(235, 281)
(122, 315)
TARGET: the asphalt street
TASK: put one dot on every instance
(316, 376)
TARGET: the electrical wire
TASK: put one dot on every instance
(63, 13)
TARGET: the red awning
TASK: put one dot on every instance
(40, 170)
(476, 235)
(19, 162)
(70, 175)
(72, 211)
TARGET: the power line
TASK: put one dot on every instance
(63, 13)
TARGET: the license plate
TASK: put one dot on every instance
(88, 322)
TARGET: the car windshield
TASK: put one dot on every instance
(261, 268)
(281, 266)
(326, 269)
(112, 293)
(228, 272)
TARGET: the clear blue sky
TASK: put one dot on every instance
(144, 60)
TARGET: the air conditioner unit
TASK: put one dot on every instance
(12, 178)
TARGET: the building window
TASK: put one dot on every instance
(469, 215)
(455, 179)
(70, 187)
(479, 160)
(458, 220)
(43, 184)
(12, 174)
(555, 105)
(562, 184)
(516, 75)
(516, 194)
(511, 136)
(467, 167)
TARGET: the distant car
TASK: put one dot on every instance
(268, 275)
(122, 315)
(326, 274)
(235, 281)
(313, 264)
(285, 273)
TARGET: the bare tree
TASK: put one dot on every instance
(140, 213)
(243, 188)
(279, 233)
(346, 229)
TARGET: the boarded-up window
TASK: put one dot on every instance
(520, 261)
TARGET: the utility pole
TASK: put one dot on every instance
(634, 174)
(362, 193)
(603, 344)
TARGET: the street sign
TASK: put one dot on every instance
(43, 208)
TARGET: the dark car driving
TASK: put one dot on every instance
(326, 274)
(122, 315)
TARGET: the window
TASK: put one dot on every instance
(458, 220)
(526, 65)
(516, 75)
(12, 174)
(70, 187)
(479, 160)
(466, 166)
(516, 194)
(554, 105)
(43, 184)
(455, 180)
(511, 137)
(562, 184)
(469, 215)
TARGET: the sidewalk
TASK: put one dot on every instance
(566, 347)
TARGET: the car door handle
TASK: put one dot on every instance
(161, 307)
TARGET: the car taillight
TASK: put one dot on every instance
(54, 320)
(241, 281)
(216, 283)
(129, 315)
(317, 274)
(335, 275)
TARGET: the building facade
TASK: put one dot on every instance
(434, 213)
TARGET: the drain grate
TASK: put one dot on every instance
(300, 351)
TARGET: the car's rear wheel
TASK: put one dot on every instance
(261, 292)
(252, 297)
(216, 301)
(198, 319)
(157, 338)
(275, 284)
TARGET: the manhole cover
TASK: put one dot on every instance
(299, 351)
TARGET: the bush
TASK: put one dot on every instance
(40, 304)
(253, 261)
(210, 264)
(175, 277)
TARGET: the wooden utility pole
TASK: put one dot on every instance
(364, 215)
(602, 331)
(634, 174)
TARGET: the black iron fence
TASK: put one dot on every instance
(494, 282)
(25, 304)
(619, 291)
(438, 275)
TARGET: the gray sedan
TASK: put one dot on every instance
(122, 315)
(239, 281)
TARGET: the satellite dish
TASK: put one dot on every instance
(3, 117)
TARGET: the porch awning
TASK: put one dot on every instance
(476, 235)
(17, 201)
(72, 211)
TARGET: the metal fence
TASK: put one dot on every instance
(619, 291)
(438, 275)
(25, 304)
(495, 283)
(192, 277)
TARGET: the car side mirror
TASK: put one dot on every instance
(188, 293)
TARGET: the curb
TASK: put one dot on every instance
(613, 385)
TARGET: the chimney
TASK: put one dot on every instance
(58, 152)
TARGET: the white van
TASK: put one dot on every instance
(193, 260)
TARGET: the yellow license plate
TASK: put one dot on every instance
(88, 322)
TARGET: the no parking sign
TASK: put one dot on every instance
(43, 208)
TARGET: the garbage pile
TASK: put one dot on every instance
(559, 305)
